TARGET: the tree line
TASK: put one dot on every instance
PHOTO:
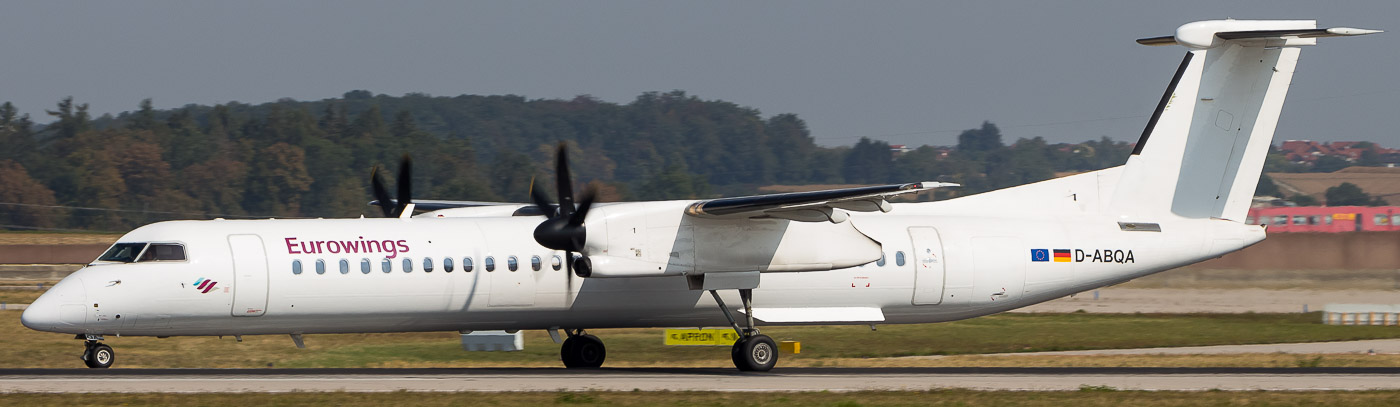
(294, 158)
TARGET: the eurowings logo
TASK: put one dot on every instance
(204, 285)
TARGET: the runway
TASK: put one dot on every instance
(782, 379)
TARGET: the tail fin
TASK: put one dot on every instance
(1203, 149)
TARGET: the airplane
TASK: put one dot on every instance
(844, 256)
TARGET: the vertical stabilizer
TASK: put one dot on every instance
(1204, 147)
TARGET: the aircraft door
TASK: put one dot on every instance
(249, 275)
(928, 265)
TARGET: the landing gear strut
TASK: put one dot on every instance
(96, 355)
(582, 350)
(753, 352)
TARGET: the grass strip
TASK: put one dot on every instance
(1092, 396)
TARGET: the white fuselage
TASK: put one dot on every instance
(960, 263)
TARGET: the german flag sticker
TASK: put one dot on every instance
(1062, 256)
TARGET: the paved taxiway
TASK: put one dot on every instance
(782, 379)
(1372, 346)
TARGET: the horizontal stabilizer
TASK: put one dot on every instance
(1280, 34)
(1206, 34)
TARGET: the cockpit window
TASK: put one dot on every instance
(128, 252)
(164, 252)
(123, 252)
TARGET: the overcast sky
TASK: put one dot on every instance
(905, 72)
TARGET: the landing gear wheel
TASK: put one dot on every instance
(756, 353)
(583, 351)
(98, 356)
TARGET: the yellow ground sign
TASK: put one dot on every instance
(701, 337)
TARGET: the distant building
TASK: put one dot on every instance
(1307, 151)
(1380, 182)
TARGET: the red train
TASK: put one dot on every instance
(1326, 219)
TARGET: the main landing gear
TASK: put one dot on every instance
(753, 352)
(96, 355)
(582, 350)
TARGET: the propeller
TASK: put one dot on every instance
(564, 229)
(394, 208)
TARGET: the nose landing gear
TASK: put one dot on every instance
(96, 355)
(753, 352)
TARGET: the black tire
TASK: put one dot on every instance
(583, 352)
(99, 356)
(756, 353)
(737, 354)
(567, 354)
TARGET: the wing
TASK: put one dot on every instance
(816, 206)
(432, 205)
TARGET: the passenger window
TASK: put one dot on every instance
(1395, 220)
(1300, 220)
(296, 267)
(1281, 219)
(407, 265)
(386, 265)
(490, 263)
(447, 264)
(1249, 220)
(535, 263)
(344, 266)
(427, 264)
(364, 266)
(164, 252)
(320, 266)
(899, 258)
(556, 263)
(512, 263)
(881, 262)
(466, 264)
(1379, 220)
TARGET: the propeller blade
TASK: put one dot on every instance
(405, 185)
(541, 201)
(563, 181)
(380, 194)
(585, 202)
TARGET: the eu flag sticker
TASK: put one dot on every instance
(1040, 255)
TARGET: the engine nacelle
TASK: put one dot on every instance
(612, 267)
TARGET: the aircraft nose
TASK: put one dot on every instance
(61, 308)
